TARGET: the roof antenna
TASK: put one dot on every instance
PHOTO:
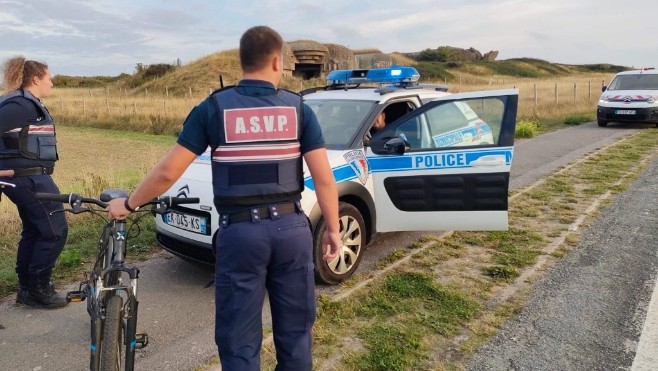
(221, 82)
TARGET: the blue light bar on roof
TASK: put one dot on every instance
(391, 75)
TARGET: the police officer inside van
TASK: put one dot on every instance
(258, 135)
(28, 150)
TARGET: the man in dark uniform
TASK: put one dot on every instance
(258, 136)
(28, 151)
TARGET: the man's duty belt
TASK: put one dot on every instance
(40, 170)
(257, 213)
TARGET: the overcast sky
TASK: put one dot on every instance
(108, 37)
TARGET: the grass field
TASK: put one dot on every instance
(94, 159)
(449, 295)
(157, 112)
(91, 160)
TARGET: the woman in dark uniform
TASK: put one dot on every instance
(28, 147)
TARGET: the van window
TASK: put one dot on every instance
(635, 82)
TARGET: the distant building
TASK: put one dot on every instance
(310, 59)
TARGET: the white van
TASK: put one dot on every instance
(442, 162)
(632, 96)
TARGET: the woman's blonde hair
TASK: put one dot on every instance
(18, 72)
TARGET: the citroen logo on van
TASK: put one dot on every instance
(183, 191)
(627, 98)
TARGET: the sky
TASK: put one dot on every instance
(109, 37)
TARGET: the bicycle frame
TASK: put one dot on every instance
(108, 282)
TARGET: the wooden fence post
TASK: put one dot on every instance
(574, 91)
(164, 106)
(556, 99)
(535, 89)
(167, 91)
(84, 107)
(190, 89)
(589, 90)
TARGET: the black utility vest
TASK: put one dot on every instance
(33, 143)
(258, 158)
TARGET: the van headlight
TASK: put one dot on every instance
(604, 100)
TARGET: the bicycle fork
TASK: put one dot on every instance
(132, 340)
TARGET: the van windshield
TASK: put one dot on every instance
(634, 82)
(340, 119)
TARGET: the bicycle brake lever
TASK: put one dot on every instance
(159, 208)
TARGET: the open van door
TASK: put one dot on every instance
(446, 165)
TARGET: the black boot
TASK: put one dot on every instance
(22, 297)
(43, 295)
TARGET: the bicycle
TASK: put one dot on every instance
(112, 303)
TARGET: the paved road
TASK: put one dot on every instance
(588, 312)
(177, 311)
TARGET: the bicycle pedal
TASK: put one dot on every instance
(141, 340)
(76, 296)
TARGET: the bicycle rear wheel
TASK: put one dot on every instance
(111, 348)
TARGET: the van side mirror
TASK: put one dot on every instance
(390, 146)
(604, 88)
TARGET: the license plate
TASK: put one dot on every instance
(192, 223)
(625, 112)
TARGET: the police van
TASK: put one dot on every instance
(632, 96)
(442, 162)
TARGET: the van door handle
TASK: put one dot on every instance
(494, 160)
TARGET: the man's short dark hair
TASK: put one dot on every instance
(257, 44)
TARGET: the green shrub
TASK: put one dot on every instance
(509, 68)
(526, 129)
(501, 272)
(69, 258)
(578, 119)
(433, 71)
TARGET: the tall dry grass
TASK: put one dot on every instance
(547, 100)
(158, 111)
(92, 160)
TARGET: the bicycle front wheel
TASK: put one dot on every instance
(112, 329)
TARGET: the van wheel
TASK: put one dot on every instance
(353, 237)
(603, 123)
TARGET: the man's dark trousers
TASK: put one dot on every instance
(252, 257)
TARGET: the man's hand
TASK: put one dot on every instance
(116, 209)
(331, 245)
(7, 173)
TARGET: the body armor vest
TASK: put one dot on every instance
(258, 158)
(33, 143)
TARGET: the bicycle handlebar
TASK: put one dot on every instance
(73, 199)
(160, 204)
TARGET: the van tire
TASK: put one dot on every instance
(353, 237)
